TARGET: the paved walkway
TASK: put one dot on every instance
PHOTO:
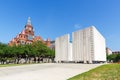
(47, 71)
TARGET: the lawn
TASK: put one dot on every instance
(104, 72)
(8, 65)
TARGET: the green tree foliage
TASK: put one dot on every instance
(28, 51)
(114, 57)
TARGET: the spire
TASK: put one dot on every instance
(48, 39)
(28, 21)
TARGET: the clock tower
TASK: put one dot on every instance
(27, 36)
(29, 30)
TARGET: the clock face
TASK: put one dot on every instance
(30, 37)
(30, 29)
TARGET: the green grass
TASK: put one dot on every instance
(104, 72)
(9, 65)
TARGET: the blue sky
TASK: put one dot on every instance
(53, 18)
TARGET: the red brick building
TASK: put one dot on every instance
(27, 36)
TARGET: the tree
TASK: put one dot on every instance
(117, 59)
(42, 51)
(3, 52)
(113, 57)
(37, 50)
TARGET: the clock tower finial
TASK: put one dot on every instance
(28, 21)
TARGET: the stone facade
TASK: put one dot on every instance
(27, 36)
(62, 49)
(108, 51)
(88, 46)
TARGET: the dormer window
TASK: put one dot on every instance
(22, 42)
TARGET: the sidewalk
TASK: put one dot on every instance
(47, 71)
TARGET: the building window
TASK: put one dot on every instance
(22, 42)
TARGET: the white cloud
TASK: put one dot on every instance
(77, 26)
